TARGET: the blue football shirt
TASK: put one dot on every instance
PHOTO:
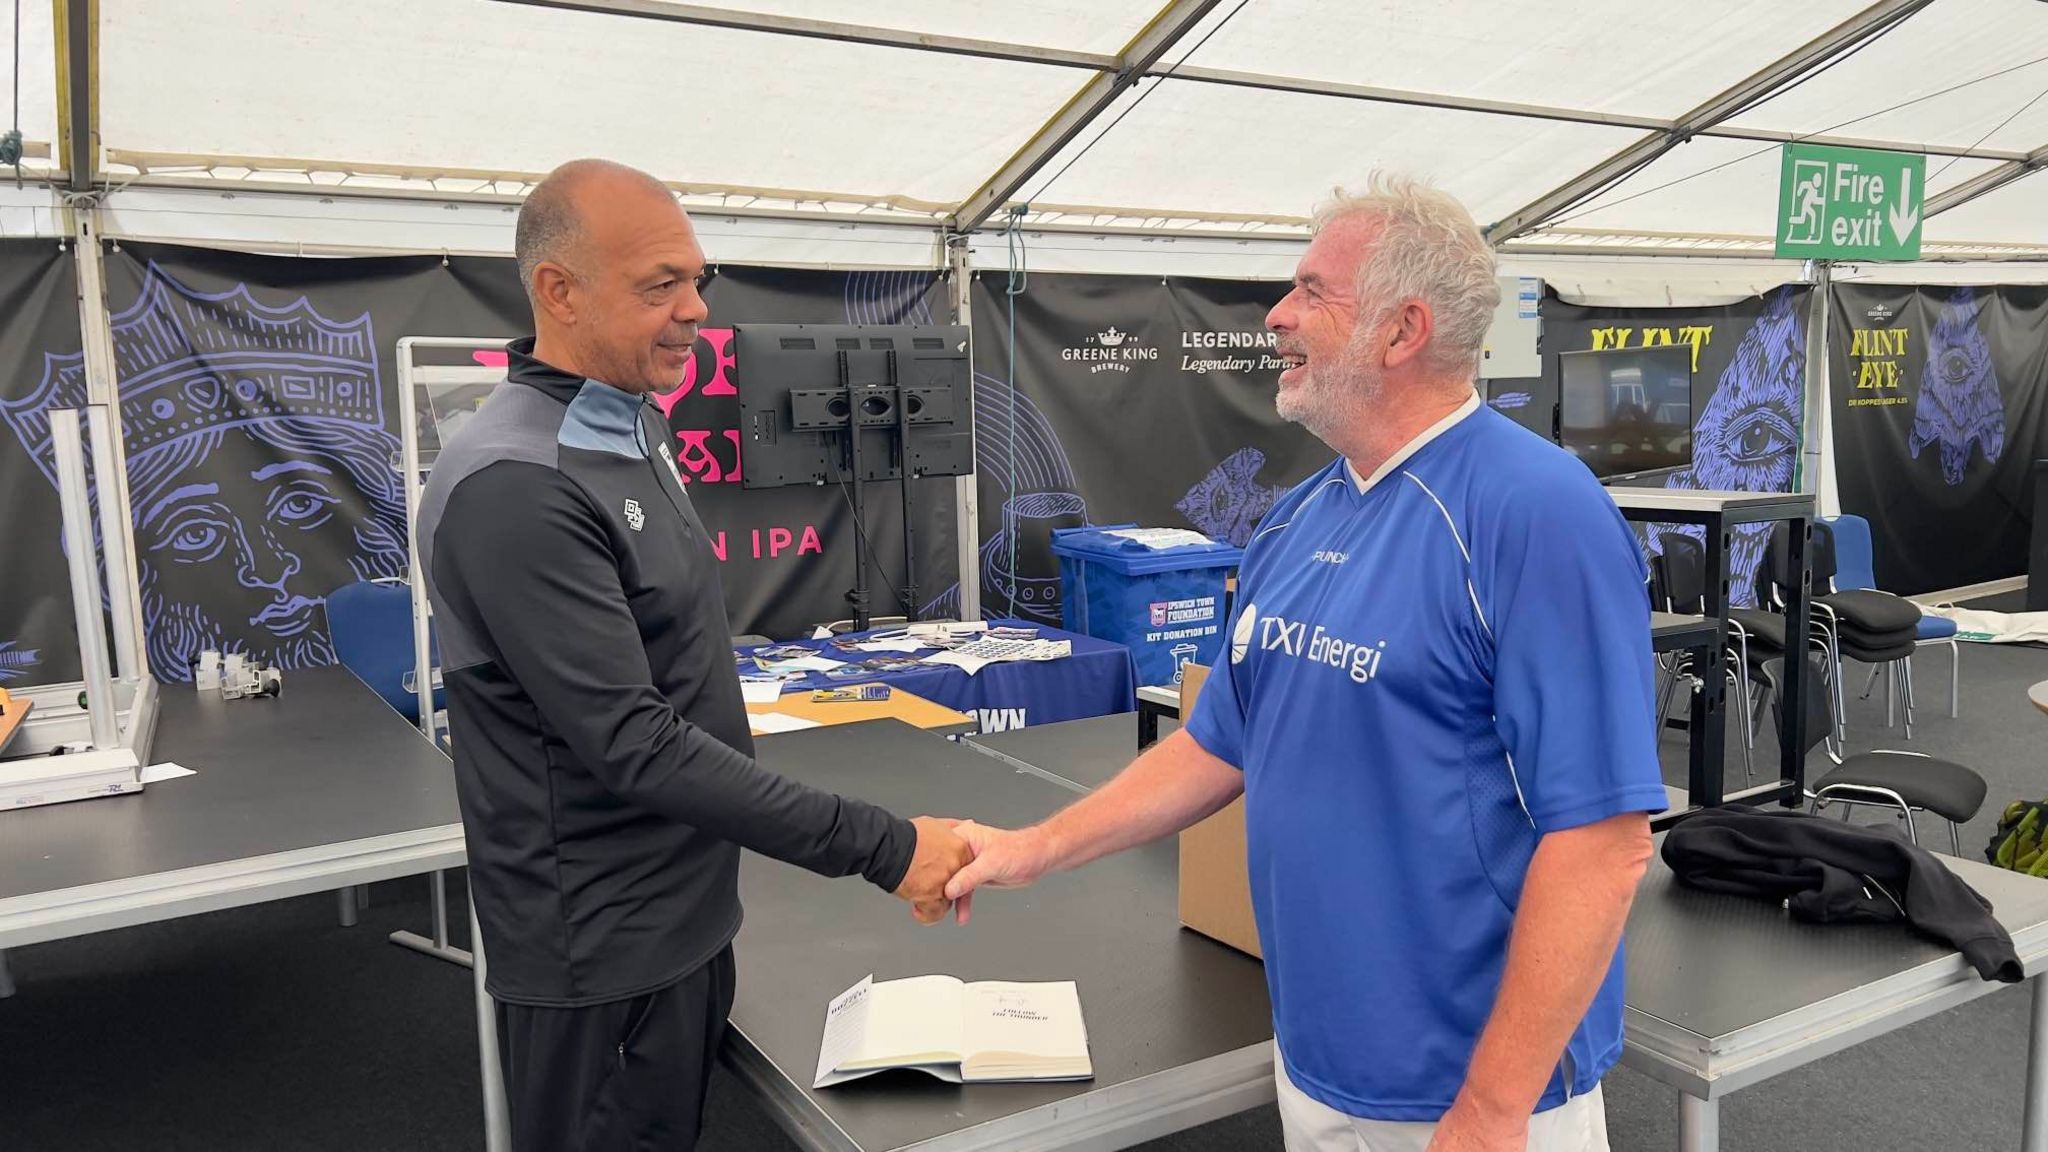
(1427, 671)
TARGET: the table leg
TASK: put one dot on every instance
(497, 1113)
(1699, 1124)
(347, 898)
(2034, 1134)
(1148, 727)
(6, 977)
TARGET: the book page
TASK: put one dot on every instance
(1041, 1021)
(846, 1027)
(914, 1021)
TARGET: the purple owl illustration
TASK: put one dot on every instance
(1228, 502)
(1960, 402)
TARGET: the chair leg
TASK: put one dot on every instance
(1891, 694)
(1955, 675)
(1872, 682)
(1905, 669)
(1742, 700)
(1955, 840)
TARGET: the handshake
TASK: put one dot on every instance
(954, 857)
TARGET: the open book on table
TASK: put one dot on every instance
(959, 1032)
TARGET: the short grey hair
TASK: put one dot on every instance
(1428, 249)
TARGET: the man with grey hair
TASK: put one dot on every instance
(603, 758)
(1436, 704)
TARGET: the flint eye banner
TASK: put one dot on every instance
(38, 320)
(1940, 409)
(1136, 400)
(1748, 395)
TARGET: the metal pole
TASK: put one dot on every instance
(497, 1111)
(2034, 1132)
(81, 557)
(966, 493)
(1699, 1124)
(113, 543)
(409, 461)
(102, 382)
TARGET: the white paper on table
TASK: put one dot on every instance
(767, 723)
(761, 691)
(158, 773)
(967, 664)
(846, 1031)
(800, 664)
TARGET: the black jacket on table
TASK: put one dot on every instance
(1829, 872)
(603, 759)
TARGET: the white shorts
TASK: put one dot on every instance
(1578, 1125)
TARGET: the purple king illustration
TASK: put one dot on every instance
(260, 470)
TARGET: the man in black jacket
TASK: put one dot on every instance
(603, 758)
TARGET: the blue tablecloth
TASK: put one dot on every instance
(1097, 680)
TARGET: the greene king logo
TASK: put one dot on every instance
(1359, 662)
(1110, 350)
(1879, 314)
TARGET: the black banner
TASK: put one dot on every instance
(1129, 399)
(1940, 410)
(1749, 371)
(38, 319)
(259, 405)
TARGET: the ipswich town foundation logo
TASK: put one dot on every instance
(1110, 350)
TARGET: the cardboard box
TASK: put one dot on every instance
(1215, 886)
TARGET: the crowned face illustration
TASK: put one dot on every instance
(260, 473)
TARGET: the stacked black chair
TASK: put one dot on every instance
(1863, 624)
(1905, 782)
(1679, 584)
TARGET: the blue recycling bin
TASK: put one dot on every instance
(1165, 604)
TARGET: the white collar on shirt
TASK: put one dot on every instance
(1400, 457)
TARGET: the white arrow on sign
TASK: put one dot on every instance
(1905, 215)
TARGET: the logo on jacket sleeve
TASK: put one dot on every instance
(635, 518)
(1241, 635)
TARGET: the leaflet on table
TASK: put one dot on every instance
(768, 723)
(760, 691)
(812, 662)
(980, 654)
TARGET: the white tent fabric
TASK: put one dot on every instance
(1499, 101)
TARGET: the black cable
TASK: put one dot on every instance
(1869, 37)
(1981, 139)
(1747, 156)
(874, 559)
(1140, 100)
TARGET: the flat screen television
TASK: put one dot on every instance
(1626, 411)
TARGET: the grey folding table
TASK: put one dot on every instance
(1725, 992)
(1079, 755)
(1179, 1026)
(322, 788)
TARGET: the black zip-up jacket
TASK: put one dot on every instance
(602, 755)
(1828, 872)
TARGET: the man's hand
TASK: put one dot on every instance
(1466, 1128)
(939, 855)
(1002, 859)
